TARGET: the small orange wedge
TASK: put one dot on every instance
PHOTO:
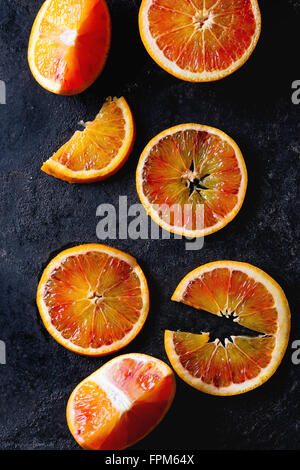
(100, 150)
(121, 402)
(69, 44)
(93, 299)
(200, 40)
(251, 298)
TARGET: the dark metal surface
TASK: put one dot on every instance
(41, 215)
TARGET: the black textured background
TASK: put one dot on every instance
(41, 215)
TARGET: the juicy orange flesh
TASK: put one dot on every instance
(99, 424)
(195, 169)
(240, 360)
(98, 144)
(222, 291)
(202, 36)
(92, 410)
(93, 299)
(73, 42)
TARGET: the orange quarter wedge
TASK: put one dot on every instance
(98, 151)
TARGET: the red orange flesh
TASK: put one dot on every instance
(192, 169)
(200, 40)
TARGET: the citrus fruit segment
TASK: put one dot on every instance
(253, 299)
(121, 402)
(100, 150)
(93, 299)
(69, 44)
(200, 40)
(192, 179)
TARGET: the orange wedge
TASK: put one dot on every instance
(93, 299)
(200, 40)
(100, 150)
(69, 44)
(121, 402)
(189, 171)
(250, 297)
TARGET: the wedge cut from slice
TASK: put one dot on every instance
(100, 150)
(93, 299)
(253, 299)
(121, 402)
(192, 179)
(69, 44)
(200, 40)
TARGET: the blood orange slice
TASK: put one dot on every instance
(93, 299)
(200, 40)
(100, 150)
(188, 168)
(121, 402)
(253, 299)
(69, 44)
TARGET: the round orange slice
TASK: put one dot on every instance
(192, 179)
(98, 151)
(200, 40)
(69, 44)
(250, 297)
(121, 402)
(93, 299)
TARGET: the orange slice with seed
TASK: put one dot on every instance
(93, 299)
(100, 150)
(69, 44)
(121, 402)
(192, 179)
(200, 40)
(253, 299)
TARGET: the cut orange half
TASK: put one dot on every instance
(121, 402)
(200, 40)
(192, 179)
(100, 150)
(93, 299)
(253, 299)
(69, 44)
